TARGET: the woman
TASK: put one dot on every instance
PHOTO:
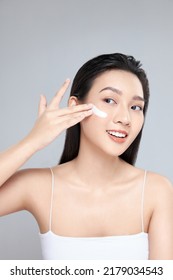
(95, 204)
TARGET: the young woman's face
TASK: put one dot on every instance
(119, 94)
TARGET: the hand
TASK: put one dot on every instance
(52, 120)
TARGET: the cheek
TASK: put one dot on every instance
(137, 124)
(93, 125)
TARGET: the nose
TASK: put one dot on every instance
(122, 116)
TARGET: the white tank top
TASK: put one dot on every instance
(124, 247)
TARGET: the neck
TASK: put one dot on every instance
(95, 168)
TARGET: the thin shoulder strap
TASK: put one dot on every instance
(51, 202)
(142, 200)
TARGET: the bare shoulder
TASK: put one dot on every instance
(34, 180)
(65, 171)
(37, 189)
(160, 194)
(24, 189)
(30, 178)
(159, 182)
(34, 183)
(159, 187)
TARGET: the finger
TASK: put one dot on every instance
(42, 105)
(54, 104)
(70, 120)
(78, 118)
(74, 109)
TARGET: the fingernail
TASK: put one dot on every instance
(67, 80)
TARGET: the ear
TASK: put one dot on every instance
(73, 101)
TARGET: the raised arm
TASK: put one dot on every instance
(50, 123)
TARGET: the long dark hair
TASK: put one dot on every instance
(81, 85)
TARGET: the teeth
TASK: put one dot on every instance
(117, 134)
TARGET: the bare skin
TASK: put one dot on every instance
(104, 200)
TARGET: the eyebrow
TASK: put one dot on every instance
(119, 92)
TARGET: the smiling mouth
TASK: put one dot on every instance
(118, 136)
(117, 133)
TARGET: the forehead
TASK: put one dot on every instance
(124, 81)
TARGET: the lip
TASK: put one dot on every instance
(116, 139)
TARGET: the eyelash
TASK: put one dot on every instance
(140, 108)
(107, 99)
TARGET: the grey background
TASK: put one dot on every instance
(42, 42)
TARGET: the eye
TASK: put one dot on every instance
(109, 100)
(137, 108)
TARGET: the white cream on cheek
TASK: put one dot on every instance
(98, 112)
